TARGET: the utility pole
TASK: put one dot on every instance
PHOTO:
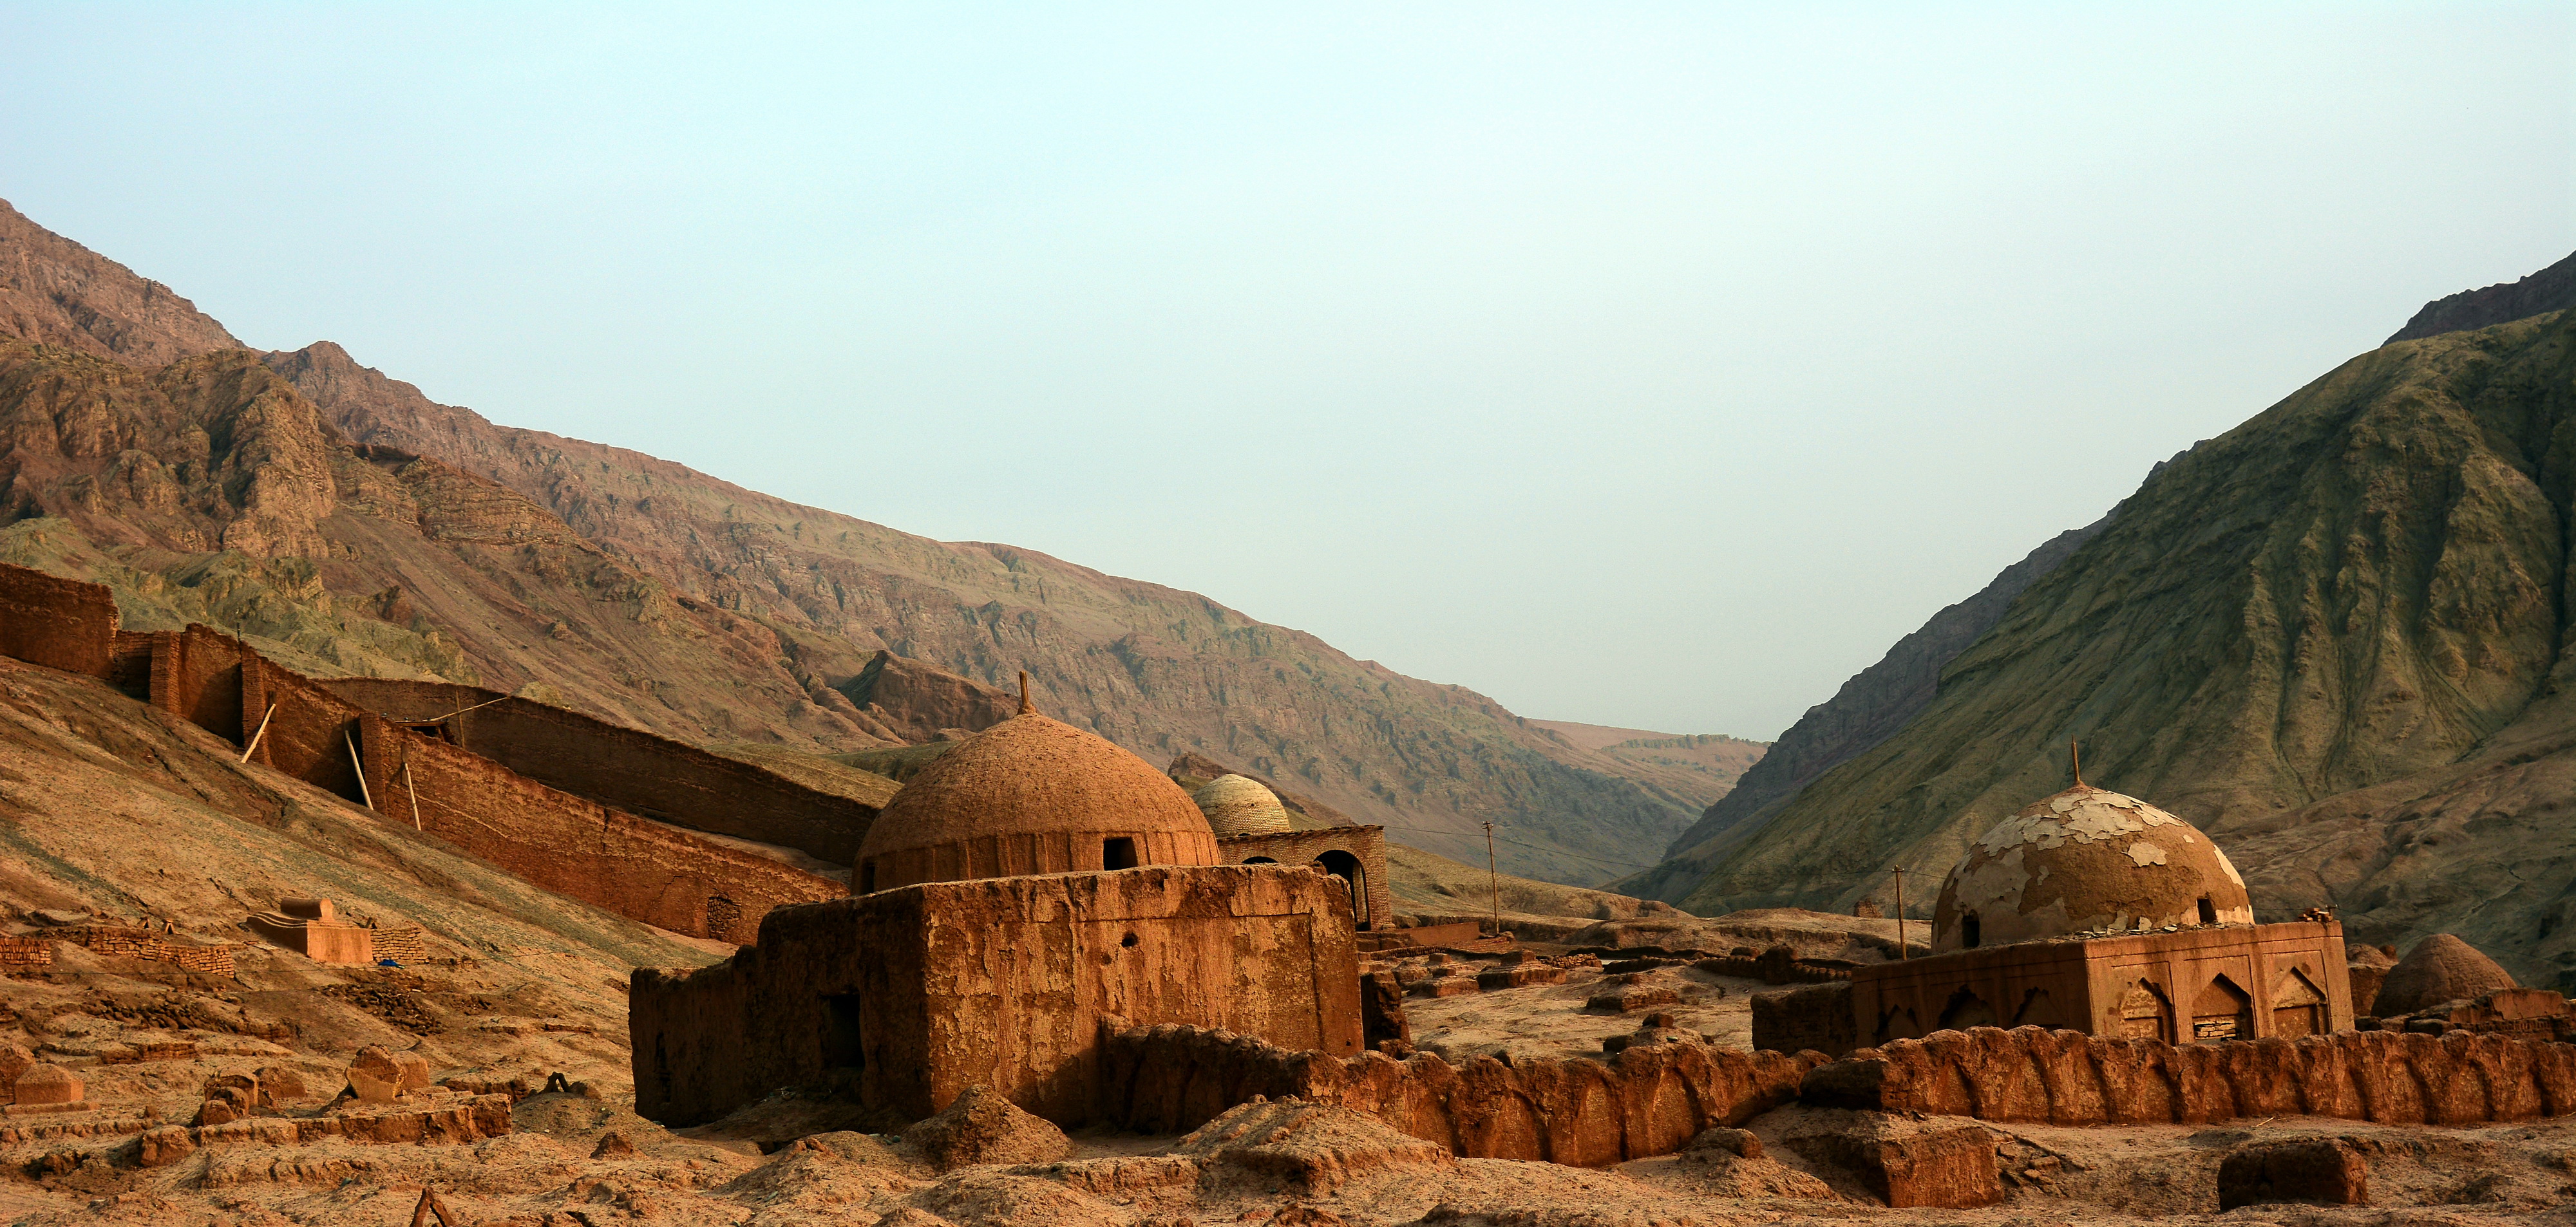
(1494, 876)
(1900, 914)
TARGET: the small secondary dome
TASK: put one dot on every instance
(1238, 806)
(2086, 860)
(1029, 796)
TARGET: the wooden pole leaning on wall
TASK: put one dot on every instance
(361, 765)
(1901, 955)
(414, 790)
(253, 747)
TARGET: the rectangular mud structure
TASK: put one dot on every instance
(903, 998)
(2196, 985)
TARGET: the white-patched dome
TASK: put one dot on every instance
(2086, 860)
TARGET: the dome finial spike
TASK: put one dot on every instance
(1026, 708)
(2072, 749)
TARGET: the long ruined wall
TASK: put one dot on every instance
(577, 847)
(567, 844)
(2068, 1078)
(58, 623)
(631, 770)
(1650, 1100)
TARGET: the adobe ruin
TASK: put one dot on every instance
(1029, 891)
(2095, 912)
(566, 833)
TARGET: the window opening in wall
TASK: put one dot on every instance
(1128, 941)
(2208, 911)
(1968, 931)
(1261, 860)
(844, 1038)
(1119, 853)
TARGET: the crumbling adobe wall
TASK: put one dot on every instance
(1376, 902)
(1651, 1099)
(58, 623)
(575, 847)
(2068, 1078)
(625, 768)
(1817, 1018)
(906, 997)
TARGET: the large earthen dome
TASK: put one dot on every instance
(2086, 860)
(1237, 806)
(2440, 968)
(1031, 795)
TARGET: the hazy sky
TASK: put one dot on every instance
(1642, 365)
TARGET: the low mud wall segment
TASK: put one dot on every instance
(2069, 1078)
(1651, 1100)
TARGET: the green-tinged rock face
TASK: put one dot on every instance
(2330, 638)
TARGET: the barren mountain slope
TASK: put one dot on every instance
(2360, 589)
(649, 557)
(61, 293)
(210, 490)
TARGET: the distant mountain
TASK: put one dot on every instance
(2551, 289)
(346, 519)
(1869, 709)
(2335, 637)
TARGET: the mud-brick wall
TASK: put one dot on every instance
(1652, 1100)
(631, 770)
(310, 733)
(1375, 901)
(576, 847)
(197, 676)
(58, 623)
(2068, 1078)
(909, 996)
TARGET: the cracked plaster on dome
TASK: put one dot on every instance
(2020, 880)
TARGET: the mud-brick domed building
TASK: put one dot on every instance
(1253, 828)
(1032, 883)
(2098, 912)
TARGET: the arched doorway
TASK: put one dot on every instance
(1347, 867)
